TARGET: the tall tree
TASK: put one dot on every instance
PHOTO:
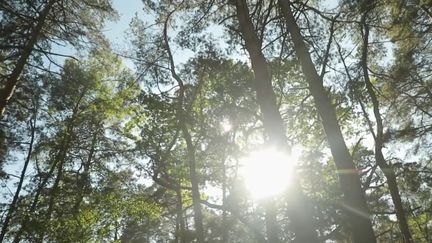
(355, 202)
(45, 21)
(12, 80)
(274, 127)
(83, 104)
(378, 136)
(14, 204)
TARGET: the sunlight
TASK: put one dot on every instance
(268, 172)
(226, 125)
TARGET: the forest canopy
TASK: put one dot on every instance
(217, 121)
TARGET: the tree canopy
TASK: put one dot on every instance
(222, 121)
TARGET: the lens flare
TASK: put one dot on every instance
(268, 172)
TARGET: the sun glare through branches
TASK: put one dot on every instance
(268, 172)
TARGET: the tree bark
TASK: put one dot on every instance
(225, 229)
(84, 182)
(385, 167)
(355, 204)
(266, 98)
(7, 91)
(272, 228)
(196, 197)
(14, 202)
(180, 226)
(300, 210)
(182, 122)
(53, 196)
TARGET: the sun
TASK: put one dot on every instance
(268, 172)
(226, 125)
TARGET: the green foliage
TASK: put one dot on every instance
(111, 162)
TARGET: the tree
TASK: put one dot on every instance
(273, 125)
(44, 21)
(83, 103)
(14, 204)
(387, 168)
(92, 151)
(356, 206)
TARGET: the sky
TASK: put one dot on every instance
(115, 31)
(127, 9)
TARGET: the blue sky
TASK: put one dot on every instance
(115, 31)
(127, 9)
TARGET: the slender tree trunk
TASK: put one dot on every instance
(57, 163)
(225, 230)
(116, 226)
(354, 198)
(54, 190)
(385, 167)
(9, 87)
(266, 98)
(52, 199)
(182, 122)
(14, 202)
(272, 228)
(84, 182)
(34, 203)
(299, 210)
(61, 162)
(196, 197)
(180, 227)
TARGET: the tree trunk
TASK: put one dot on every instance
(355, 204)
(53, 196)
(266, 98)
(57, 163)
(14, 202)
(299, 211)
(225, 230)
(34, 203)
(385, 167)
(196, 197)
(9, 87)
(84, 182)
(182, 122)
(62, 160)
(180, 227)
(272, 228)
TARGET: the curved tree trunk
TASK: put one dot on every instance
(354, 198)
(191, 159)
(385, 167)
